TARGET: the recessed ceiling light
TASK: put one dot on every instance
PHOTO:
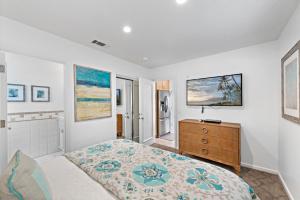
(145, 58)
(127, 29)
(180, 2)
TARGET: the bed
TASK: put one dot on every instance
(122, 169)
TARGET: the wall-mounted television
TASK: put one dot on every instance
(118, 94)
(215, 91)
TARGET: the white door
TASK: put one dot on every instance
(135, 116)
(3, 113)
(128, 110)
(146, 111)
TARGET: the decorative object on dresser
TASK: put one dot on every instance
(214, 121)
(119, 125)
(290, 84)
(216, 142)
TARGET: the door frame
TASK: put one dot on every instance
(132, 80)
(3, 113)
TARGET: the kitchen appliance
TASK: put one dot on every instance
(163, 99)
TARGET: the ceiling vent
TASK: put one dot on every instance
(98, 43)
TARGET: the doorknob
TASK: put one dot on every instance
(126, 116)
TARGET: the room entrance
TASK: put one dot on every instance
(127, 112)
(34, 102)
(135, 109)
(165, 134)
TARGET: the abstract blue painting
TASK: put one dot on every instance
(92, 93)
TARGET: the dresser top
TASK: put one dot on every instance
(225, 124)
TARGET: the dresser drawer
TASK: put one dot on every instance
(220, 132)
(218, 142)
(217, 154)
(225, 133)
(208, 152)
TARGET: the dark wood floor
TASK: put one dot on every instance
(267, 186)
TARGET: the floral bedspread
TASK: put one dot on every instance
(133, 171)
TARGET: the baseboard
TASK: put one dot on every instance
(286, 187)
(259, 168)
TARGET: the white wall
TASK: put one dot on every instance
(258, 116)
(19, 38)
(32, 71)
(289, 132)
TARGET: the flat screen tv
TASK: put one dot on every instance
(215, 91)
(118, 94)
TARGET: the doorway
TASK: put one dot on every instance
(35, 106)
(165, 134)
(135, 109)
(127, 109)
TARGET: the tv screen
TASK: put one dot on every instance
(215, 91)
(118, 97)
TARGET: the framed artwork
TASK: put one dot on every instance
(40, 93)
(92, 93)
(118, 96)
(290, 75)
(215, 91)
(15, 93)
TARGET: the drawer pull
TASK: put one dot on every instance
(204, 141)
(204, 130)
(204, 151)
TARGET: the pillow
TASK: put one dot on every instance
(23, 179)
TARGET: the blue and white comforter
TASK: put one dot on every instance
(133, 171)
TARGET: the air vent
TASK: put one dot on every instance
(98, 43)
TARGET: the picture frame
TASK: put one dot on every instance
(290, 84)
(16, 93)
(92, 93)
(40, 93)
(119, 97)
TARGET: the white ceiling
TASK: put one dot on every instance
(163, 31)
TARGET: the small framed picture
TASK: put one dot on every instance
(118, 93)
(15, 93)
(40, 93)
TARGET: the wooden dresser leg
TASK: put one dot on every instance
(237, 169)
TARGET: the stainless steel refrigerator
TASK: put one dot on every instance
(163, 112)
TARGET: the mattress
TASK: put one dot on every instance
(67, 181)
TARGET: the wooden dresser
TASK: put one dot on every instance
(216, 142)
